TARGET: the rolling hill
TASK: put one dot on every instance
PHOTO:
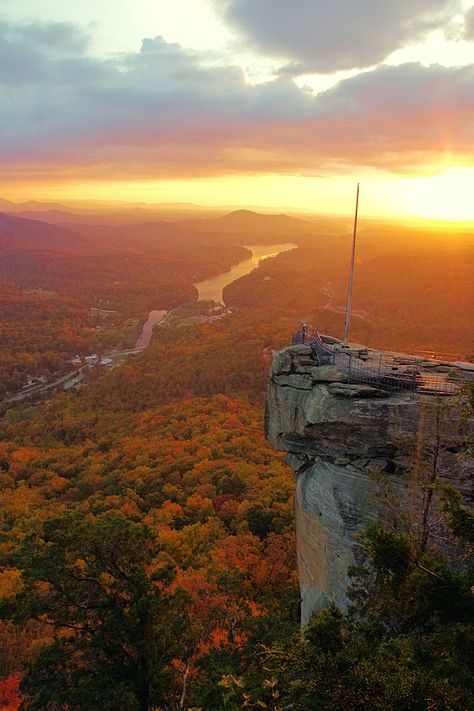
(249, 223)
(18, 233)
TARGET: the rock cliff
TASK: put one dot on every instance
(340, 438)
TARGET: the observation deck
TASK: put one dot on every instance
(387, 370)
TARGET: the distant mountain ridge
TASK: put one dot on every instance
(252, 223)
(107, 212)
(60, 229)
(9, 206)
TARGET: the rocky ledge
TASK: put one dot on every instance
(340, 438)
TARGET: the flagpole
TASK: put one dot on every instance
(351, 277)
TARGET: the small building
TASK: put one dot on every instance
(106, 361)
(92, 359)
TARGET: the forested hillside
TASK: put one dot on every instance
(195, 474)
(147, 553)
(65, 293)
(227, 228)
(408, 301)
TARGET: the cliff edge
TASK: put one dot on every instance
(341, 437)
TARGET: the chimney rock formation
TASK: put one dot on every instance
(340, 439)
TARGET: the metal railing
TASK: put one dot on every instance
(385, 374)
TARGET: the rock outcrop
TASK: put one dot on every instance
(340, 437)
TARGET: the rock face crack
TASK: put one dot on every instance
(339, 438)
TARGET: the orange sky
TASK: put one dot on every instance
(220, 105)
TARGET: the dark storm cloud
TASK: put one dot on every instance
(166, 111)
(330, 35)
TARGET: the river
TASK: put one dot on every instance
(144, 338)
(211, 289)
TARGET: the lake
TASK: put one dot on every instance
(211, 289)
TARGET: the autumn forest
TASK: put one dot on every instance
(147, 544)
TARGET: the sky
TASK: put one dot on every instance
(241, 103)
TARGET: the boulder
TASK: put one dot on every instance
(297, 381)
(356, 390)
(464, 366)
(327, 374)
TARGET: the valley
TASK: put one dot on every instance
(169, 446)
(236, 355)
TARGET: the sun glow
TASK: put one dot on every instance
(445, 196)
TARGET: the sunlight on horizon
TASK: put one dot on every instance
(446, 196)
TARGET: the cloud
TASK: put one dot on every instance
(169, 112)
(400, 116)
(469, 24)
(326, 36)
(41, 52)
